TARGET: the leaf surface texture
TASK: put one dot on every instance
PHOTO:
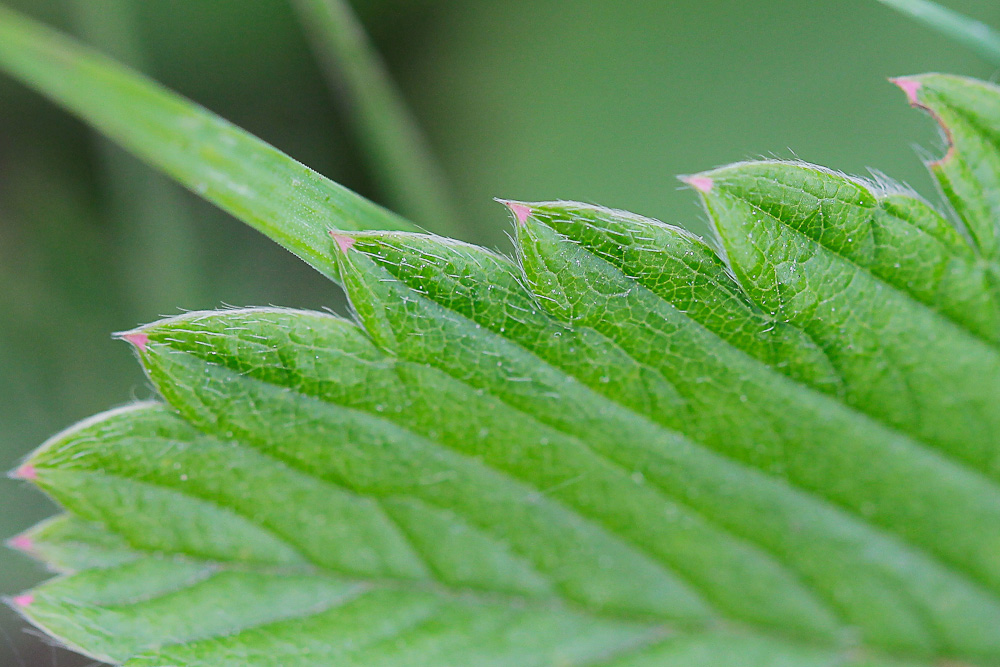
(622, 447)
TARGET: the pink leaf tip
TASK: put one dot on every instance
(700, 183)
(24, 600)
(910, 87)
(21, 543)
(520, 211)
(26, 472)
(137, 339)
(343, 242)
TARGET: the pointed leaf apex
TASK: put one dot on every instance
(23, 601)
(909, 86)
(137, 339)
(700, 183)
(343, 242)
(26, 472)
(521, 211)
(21, 543)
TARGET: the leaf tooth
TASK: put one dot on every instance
(878, 227)
(343, 241)
(520, 210)
(679, 268)
(700, 183)
(911, 87)
(816, 248)
(67, 544)
(27, 472)
(137, 339)
(23, 601)
(23, 543)
(968, 174)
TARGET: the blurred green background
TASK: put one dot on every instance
(597, 100)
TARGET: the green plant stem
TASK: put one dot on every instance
(160, 263)
(974, 35)
(400, 158)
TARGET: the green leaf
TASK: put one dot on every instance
(312, 476)
(241, 174)
(970, 33)
(624, 447)
(969, 173)
(874, 291)
(68, 545)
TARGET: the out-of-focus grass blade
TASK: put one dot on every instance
(161, 258)
(401, 161)
(974, 35)
(243, 175)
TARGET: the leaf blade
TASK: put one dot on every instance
(812, 248)
(108, 608)
(619, 449)
(377, 305)
(969, 172)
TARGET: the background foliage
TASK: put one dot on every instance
(521, 99)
